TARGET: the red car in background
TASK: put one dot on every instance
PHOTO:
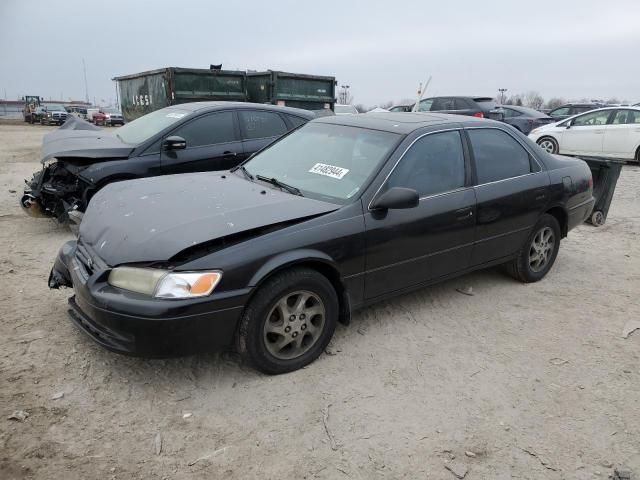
(107, 116)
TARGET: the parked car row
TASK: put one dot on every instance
(270, 253)
(50, 114)
(104, 116)
(56, 114)
(610, 132)
(523, 118)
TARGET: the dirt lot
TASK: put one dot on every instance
(516, 381)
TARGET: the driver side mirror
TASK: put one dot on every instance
(396, 198)
(568, 125)
(174, 142)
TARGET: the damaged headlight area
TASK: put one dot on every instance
(54, 191)
(163, 283)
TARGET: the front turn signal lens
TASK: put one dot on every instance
(187, 285)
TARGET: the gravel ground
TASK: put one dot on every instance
(516, 381)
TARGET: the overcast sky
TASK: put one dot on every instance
(382, 49)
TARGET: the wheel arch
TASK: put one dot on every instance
(313, 260)
(561, 215)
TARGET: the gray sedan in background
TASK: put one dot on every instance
(525, 119)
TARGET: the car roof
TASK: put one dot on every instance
(211, 106)
(578, 104)
(399, 122)
(475, 98)
(530, 111)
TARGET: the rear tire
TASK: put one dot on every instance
(289, 322)
(597, 218)
(538, 254)
(548, 144)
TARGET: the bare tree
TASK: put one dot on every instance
(612, 100)
(533, 99)
(386, 105)
(555, 102)
(514, 100)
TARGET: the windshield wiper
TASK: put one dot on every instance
(244, 171)
(278, 183)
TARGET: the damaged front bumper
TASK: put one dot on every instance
(135, 324)
(53, 192)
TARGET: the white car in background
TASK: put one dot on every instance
(612, 132)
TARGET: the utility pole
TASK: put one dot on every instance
(86, 86)
(502, 90)
(344, 94)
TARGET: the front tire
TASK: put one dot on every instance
(289, 322)
(539, 252)
(549, 144)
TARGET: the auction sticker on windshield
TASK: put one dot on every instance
(329, 170)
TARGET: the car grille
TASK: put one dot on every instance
(60, 116)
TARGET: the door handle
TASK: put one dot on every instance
(464, 213)
(229, 154)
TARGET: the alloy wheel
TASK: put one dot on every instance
(294, 324)
(541, 249)
(548, 145)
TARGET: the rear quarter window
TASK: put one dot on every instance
(296, 121)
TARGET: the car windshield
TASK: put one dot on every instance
(345, 109)
(110, 110)
(145, 127)
(324, 161)
(54, 108)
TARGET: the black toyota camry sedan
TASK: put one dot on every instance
(80, 159)
(342, 212)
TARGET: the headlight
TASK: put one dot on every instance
(164, 284)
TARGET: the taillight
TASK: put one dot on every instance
(478, 115)
(590, 182)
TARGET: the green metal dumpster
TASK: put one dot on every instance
(605, 173)
(145, 92)
(311, 92)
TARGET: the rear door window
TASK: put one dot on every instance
(208, 130)
(497, 155)
(461, 104)
(261, 124)
(443, 103)
(434, 164)
(626, 117)
(510, 113)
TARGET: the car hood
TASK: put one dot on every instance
(153, 219)
(544, 128)
(79, 139)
